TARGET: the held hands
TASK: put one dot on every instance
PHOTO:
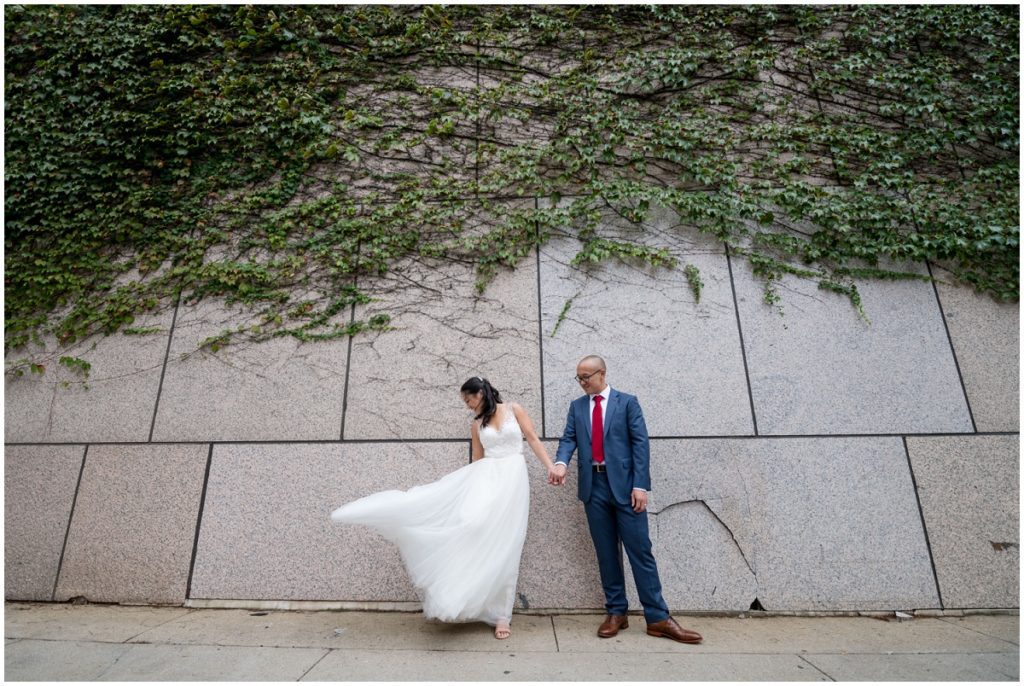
(638, 497)
(556, 475)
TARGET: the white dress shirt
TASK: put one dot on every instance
(605, 394)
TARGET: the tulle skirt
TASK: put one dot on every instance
(460, 537)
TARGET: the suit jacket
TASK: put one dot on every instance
(627, 450)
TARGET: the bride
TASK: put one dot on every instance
(461, 536)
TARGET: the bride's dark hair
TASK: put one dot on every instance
(491, 397)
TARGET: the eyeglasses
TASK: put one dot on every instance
(586, 377)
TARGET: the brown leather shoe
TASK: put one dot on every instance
(612, 625)
(667, 628)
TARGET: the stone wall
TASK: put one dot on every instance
(806, 460)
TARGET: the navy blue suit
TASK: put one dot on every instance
(606, 498)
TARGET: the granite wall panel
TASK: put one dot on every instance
(986, 338)
(680, 357)
(801, 524)
(404, 383)
(282, 389)
(115, 403)
(134, 524)
(969, 487)
(39, 489)
(818, 368)
(266, 532)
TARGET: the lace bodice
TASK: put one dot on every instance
(505, 440)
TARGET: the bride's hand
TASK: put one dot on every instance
(556, 475)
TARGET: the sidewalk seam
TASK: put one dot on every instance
(363, 649)
(706, 653)
(157, 626)
(816, 667)
(947, 620)
(113, 664)
(327, 651)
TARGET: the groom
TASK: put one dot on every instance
(607, 427)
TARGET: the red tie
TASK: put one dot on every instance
(597, 433)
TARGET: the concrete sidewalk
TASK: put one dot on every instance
(63, 642)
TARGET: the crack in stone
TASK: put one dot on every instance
(719, 520)
(49, 415)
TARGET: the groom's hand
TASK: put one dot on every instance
(556, 475)
(639, 500)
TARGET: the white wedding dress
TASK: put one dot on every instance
(461, 536)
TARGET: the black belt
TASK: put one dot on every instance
(600, 468)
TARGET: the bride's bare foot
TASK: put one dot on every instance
(502, 631)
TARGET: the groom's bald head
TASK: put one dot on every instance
(590, 374)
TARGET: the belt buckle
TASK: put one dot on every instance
(600, 468)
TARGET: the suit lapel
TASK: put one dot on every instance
(585, 413)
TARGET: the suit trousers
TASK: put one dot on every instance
(609, 523)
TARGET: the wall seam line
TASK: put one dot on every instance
(348, 364)
(385, 441)
(199, 523)
(924, 525)
(67, 531)
(743, 347)
(952, 347)
(163, 370)
(540, 326)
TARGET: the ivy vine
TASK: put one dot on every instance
(285, 157)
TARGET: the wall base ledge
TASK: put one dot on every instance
(411, 606)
